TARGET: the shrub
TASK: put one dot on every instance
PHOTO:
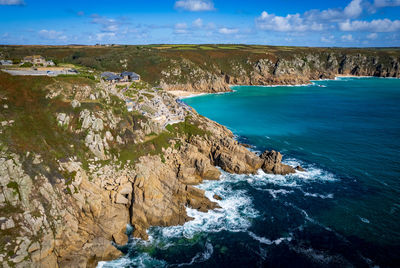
(27, 64)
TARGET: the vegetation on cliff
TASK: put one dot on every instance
(213, 67)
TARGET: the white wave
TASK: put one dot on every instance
(312, 174)
(142, 260)
(326, 196)
(315, 255)
(267, 241)
(296, 85)
(364, 220)
(275, 193)
(234, 215)
(201, 256)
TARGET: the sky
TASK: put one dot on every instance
(342, 23)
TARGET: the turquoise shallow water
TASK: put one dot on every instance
(344, 211)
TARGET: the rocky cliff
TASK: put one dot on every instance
(278, 69)
(76, 167)
(212, 68)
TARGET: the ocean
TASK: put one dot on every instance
(343, 211)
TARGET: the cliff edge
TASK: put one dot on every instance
(76, 167)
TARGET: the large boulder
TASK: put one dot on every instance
(273, 163)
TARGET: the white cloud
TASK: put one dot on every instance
(312, 20)
(354, 9)
(386, 3)
(372, 36)
(378, 25)
(327, 39)
(107, 24)
(347, 37)
(292, 22)
(51, 34)
(195, 5)
(198, 23)
(12, 2)
(181, 28)
(101, 36)
(228, 30)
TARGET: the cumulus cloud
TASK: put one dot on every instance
(386, 3)
(372, 36)
(312, 20)
(12, 2)
(195, 5)
(286, 24)
(347, 37)
(377, 25)
(354, 9)
(225, 30)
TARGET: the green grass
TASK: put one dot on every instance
(155, 144)
(149, 61)
(36, 129)
(14, 185)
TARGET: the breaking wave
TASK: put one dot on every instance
(236, 214)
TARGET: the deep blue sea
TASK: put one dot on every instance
(343, 211)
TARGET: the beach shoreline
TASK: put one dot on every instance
(185, 94)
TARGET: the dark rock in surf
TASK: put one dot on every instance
(273, 163)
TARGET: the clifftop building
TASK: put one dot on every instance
(38, 60)
(122, 77)
(35, 59)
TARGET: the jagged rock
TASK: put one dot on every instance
(120, 199)
(272, 163)
(75, 103)
(217, 197)
(109, 136)
(95, 144)
(63, 119)
(97, 125)
(35, 246)
(6, 223)
(299, 168)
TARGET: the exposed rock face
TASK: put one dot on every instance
(277, 69)
(272, 163)
(63, 208)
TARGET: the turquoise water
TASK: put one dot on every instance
(343, 211)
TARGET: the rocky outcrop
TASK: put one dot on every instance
(279, 69)
(272, 163)
(65, 205)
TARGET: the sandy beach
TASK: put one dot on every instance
(184, 94)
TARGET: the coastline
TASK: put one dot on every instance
(185, 94)
(181, 94)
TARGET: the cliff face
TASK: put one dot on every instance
(212, 68)
(76, 167)
(296, 68)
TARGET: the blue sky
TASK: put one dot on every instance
(284, 22)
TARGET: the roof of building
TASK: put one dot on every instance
(129, 74)
(2, 62)
(107, 74)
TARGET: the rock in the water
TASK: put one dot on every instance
(273, 163)
(217, 197)
(299, 168)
